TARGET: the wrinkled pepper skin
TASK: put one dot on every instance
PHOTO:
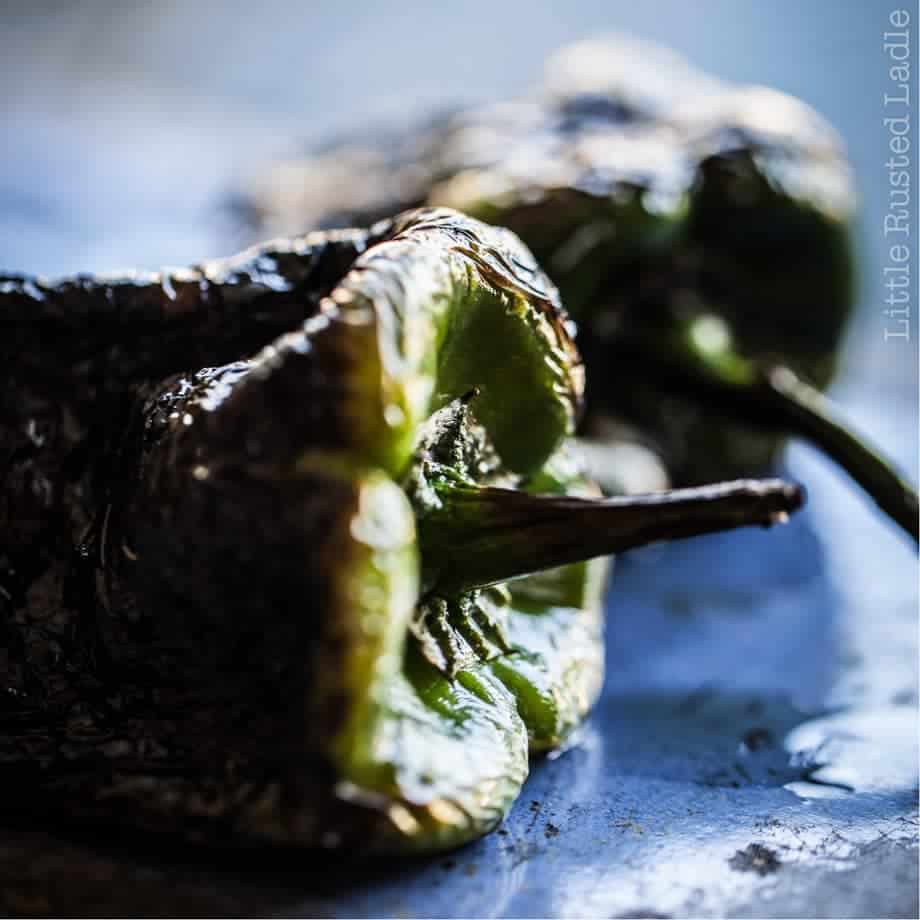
(176, 662)
(652, 194)
(266, 599)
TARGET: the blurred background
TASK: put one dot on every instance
(125, 126)
(126, 123)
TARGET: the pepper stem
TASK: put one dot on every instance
(810, 414)
(775, 398)
(480, 535)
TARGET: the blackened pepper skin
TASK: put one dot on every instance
(266, 599)
(75, 355)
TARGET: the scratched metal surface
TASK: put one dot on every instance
(755, 751)
(754, 755)
(755, 697)
(762, 693)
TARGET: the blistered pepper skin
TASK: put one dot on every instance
(164, 566)
(233, 596)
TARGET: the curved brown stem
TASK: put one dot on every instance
(773, 397)
(810, 414)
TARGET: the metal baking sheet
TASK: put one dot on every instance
(755, 751)
(754, 754)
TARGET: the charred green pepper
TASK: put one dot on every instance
(332, 592)
(669, 209)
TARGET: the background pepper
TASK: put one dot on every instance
(668, 208)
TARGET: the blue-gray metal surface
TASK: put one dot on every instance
(754, 752)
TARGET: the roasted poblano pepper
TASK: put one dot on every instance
(293, 545)
(699, 235)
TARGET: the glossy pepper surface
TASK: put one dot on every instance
(294, 543)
